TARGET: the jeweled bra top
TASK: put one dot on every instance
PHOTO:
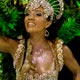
(52, 74)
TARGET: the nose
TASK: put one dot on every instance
(31, 17)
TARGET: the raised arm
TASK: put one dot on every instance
(71, 63)
(8, 45)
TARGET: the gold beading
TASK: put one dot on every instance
(19, 51)
(52, 74)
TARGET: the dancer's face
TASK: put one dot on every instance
(35, 21)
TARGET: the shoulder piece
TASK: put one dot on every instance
(20, 50)
(59, 51)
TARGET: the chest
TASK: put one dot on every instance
(42, 60)
(42, 56)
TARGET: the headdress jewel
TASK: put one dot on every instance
(52, 8)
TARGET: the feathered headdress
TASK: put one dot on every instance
(53, 8)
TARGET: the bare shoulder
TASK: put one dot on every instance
(68, 56)
(66, 48)
(8, 45)
(67, 53)
(13, 44)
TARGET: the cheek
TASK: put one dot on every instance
(41, 23)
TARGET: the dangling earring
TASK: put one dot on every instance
(46, 33)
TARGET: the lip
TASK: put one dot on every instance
(31, 24)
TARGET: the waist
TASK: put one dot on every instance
(50, 75)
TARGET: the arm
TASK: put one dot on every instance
(8, 45)
(71, 63)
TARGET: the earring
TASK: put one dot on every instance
(46, 33)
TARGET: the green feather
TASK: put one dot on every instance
(9, 17)
(69, 30)
(70, 27)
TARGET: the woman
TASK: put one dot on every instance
(41, 59)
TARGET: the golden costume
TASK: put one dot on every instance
(22, 71)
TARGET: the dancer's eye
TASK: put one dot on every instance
(39, 14)
(27, 14)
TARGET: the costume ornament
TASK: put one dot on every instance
(46, 33)
(21, 72)
(52, 8)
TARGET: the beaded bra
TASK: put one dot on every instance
(52, 74)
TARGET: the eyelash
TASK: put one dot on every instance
(37, 14)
